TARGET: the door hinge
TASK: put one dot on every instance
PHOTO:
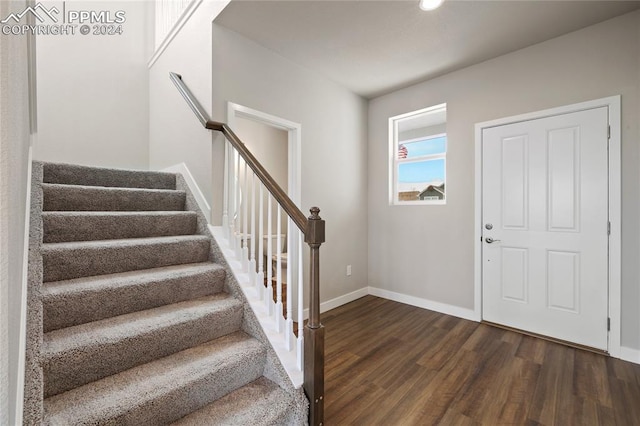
(608, 132)
(608, 228)
(608, 324)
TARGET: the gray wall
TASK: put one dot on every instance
(175, 135)
(270, 146)
(334, 150)
(93, 93)
(428, 251)
(14, 158)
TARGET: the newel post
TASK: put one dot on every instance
(314, 330)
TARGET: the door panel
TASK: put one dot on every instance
(563, 157)
(545, 253)
(563, 280)
(514, 274)
(514, 182)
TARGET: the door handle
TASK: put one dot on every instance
(490, 240)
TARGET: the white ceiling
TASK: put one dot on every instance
(375, 47)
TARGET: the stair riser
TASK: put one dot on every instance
(88, 260)
(80, 307)
(260, 403)
(186, 400)
(164, 390)
(76, 198)
(68, 370)
(81, 175)
(60, 227)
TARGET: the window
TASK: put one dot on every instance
(418, 157)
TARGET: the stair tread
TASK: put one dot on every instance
(104, 176)
(65, 226)
(63, 197)
(138, 388)
(80, 300)
(77, 355)
(75, 259)
(117, 213)
(261, 402)
(110, 188)
(97, 283)
(71, 245)
(124, 327)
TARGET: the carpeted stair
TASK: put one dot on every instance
(140, 321)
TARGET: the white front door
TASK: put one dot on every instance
(545, 226)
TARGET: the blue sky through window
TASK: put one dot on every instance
(421, 171)
(426, 147)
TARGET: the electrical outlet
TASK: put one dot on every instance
(348, 270)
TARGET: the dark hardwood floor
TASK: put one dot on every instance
(393, 364)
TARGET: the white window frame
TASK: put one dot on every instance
(394, 161)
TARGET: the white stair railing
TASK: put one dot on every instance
(275, 275)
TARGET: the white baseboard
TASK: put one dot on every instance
(343, 300)
(340, 300)
(193, 186)
(630, 354)
(444, 308)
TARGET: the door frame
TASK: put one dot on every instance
(294, 137)
(615, 201)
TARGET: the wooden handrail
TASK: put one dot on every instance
(313, 229)
(193, 103)
(272, 186)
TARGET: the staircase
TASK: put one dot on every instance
(139, 320)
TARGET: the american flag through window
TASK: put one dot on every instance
(402, 152)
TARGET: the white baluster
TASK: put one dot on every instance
(260, 275)
(269, 294)
(231, 208)
(279, 311)
(234, 205)
(300, 348)
(225, 192)
(289, 337)
(231, 203)
(245, 220)
(238, 213)
(254, 234)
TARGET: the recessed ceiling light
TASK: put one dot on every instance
(430, 4)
